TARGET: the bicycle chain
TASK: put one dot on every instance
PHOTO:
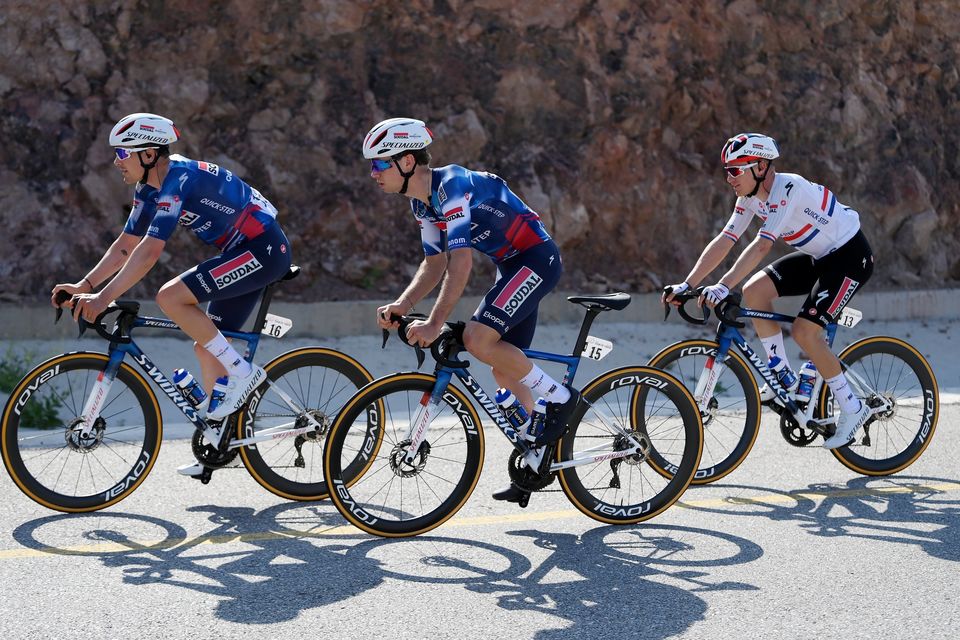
(526, 478)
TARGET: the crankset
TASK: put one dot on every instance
(208, 455)
(530, 479)
(794, 433)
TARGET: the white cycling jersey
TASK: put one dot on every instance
(806, 215)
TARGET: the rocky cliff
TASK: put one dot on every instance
(607, 116)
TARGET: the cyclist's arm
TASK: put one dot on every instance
(113, 259)
(141, 260)
(747, 262)
(459, 265)
(713, 254)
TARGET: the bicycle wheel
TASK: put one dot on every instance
(631, 489)
(320, 381)
(892, 376)
(731, 415)
(390, 497)
(44, 451)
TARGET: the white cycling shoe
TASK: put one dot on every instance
(191, 470)
(847, 427)
(238, 390)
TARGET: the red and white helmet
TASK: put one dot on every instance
(745, 148)
(143, 131)
(394, 136)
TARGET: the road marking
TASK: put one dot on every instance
(347, 530)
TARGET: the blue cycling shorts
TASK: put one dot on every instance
(510, 307)
(234, 281)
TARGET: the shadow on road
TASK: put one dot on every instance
(270, 566)
(898, 509)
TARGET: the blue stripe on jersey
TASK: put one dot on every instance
(833, 203)
(807, 239)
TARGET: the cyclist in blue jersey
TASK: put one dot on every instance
(223, 211)
(459, 210)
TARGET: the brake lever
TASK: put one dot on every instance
(62, 296)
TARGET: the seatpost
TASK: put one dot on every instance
(592, 313)
(264, 306)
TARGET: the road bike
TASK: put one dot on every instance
(423, 460)
(106, 427)
(886, 373)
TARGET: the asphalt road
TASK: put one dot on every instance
(790, 545)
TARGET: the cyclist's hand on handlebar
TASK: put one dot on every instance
(70, 289)
(670, 291)
(89, 305)
(386, 313)
(714, 295)
(423, 332)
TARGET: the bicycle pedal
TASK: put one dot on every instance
(524, 500)
(206, 475)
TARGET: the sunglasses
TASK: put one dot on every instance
(379, 165)
(123, 154)
(739, 170)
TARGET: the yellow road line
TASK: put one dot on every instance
(347, 530)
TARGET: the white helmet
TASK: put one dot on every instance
(745, 148)
(143, 131)
(396, 135)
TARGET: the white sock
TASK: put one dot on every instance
(848, 402)
(774, 347)
(545, 386)
(228, 356)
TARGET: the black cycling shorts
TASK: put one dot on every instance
(830, 282)
(510, 307)
(234, 281)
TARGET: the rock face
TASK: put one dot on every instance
(607, 116)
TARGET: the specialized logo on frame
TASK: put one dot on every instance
(520, 287)
(235, 270)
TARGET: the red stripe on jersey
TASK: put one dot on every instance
(798, 233)
(826, 196)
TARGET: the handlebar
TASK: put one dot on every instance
(121, 328)
(444, 349)
(728, 310)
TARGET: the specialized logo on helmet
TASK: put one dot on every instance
(747, 147)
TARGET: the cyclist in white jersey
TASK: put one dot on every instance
(831, 263)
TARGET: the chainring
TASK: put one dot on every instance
(208, 455)
(526, 478)
(794, 433)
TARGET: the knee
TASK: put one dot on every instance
(476, 342)
(758, 289)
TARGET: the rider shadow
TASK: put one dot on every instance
(609, 581)
(909, 510)
(271, 578)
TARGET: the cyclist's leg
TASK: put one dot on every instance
(240, 273)
(787, 276)
(841, 274)
(506, 319)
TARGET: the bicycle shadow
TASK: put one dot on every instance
(610, 581)
(911, 510)
(274, 578)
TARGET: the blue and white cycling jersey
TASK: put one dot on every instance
(220, 208)
(476, 209)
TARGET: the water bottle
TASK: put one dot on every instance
(513, 410)
(808, 375)
(537, 420)
(191, 389)
(785, 377)
(217, 393)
